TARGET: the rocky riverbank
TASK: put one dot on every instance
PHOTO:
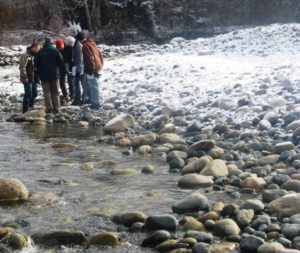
(240, 138)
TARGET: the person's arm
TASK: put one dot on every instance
(22, 67)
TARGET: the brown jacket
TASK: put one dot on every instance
(92, 58)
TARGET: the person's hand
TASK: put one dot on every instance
(24, 81)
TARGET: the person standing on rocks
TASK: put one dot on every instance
(93, 63)
(49, 61)
(28, 76)
(78, 74)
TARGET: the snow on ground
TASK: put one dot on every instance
(188, 73)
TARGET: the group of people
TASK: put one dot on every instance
(76, 59)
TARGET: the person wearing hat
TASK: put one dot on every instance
(93, 63)
(48, 62)
(65, 48)
(28, 76)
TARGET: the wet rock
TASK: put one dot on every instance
(196, 166)
(161, 222)
(181, 250)
(176, 163)
(216, 152)
(270, 248)
(290, 231)
(193, 181)
(201, 248)
(279, 179)
(212, 215)
(59, 237)
(286, 206)
(145, 149)
(256, 183)
(3, 249)
(295, 219)
(226, 227)
(293, 125)
(103, 239)
(148, 169)
(156, 238)
(193, 224)
(12, 190)
(255, 204)
(291, 185)
(119, 123)
(176, 154)
(192, 203)
(147, 139)
(251, 243)
(170, 138)
(35, 114)
(261, 220)
(16, 241)
(194, 126)
(120, 172)
(270, 195)
(199, 236)
(216, 168)
(230, 209)
(244, 217)
(64, 146)
(128, 219)
(204, 145)
(5, 231)
(225, 247)
(284, 146)
(264, 125)
(271, 159)
(166, 246)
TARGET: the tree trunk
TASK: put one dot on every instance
(87, 14)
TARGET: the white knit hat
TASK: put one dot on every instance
(70, 41)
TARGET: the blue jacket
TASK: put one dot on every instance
(48, 61)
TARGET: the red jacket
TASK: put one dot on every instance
(92, 58)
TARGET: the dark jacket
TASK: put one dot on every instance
(92, 58)
(48, 61)
(67, 56)
(27, 68)
(77, 56)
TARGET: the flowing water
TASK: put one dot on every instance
(67, 193)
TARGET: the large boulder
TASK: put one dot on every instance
(12, 189)
(216, 168)
(287, 205)
(119, 123)
(193, 203)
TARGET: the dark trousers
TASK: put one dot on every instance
(30, 93)
(62, 84)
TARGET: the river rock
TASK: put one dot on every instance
(291, 230)
(251, 243)
(216, 168)
(129, 218)
(196, 166)
(12, 190)
(255, 204)
(293, 126)
(193, 224)
(244, 217)
(35, 114)
(192, 203)
(169, 138)
(103, 239)
(120, 172)
(204, 145)
(226, 227)
(166, 246)
(264, 125)
(119, 123)
(147, 139)
(16, 241)
(225, 247)
(291, 185)
(192, 181)
(148, 169)
(156, 238)
(270, 159)
(226, 103)
(199, 236)
(273, 247)
(270, 195)
(216, 152)
(3, 249)
(5, 231)
(64, 146)
(176, 154)
(295, 219)
(287, 205)
(145, 149)
(59, 237)
(283, 146)
(212, 215)
(161, 222)
(253, 182)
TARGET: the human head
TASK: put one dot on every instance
(35, 47)
(70, 41)
(60, 43)
(48, 40)
(80, 36)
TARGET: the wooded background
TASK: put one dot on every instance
(157, 19)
